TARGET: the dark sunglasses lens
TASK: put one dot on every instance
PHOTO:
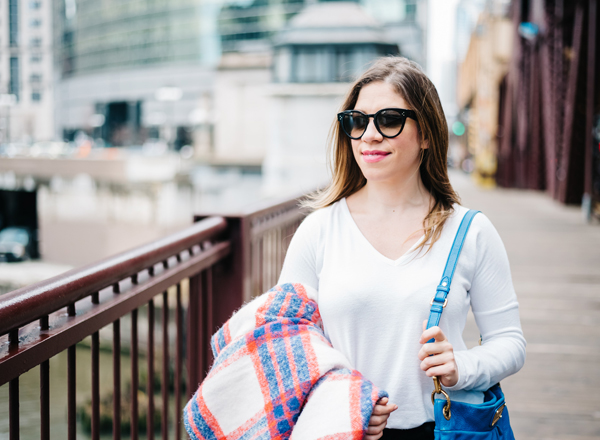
(354, 124)
(390, 122)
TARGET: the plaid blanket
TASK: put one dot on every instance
(276, 376)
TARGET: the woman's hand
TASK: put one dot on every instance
(378, 420)
(442, 363)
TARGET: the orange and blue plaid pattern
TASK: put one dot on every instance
(276, 376)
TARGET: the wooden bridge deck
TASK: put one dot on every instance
(555, 261)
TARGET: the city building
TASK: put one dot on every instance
(483, 67)
(129, 71)
(154, 75)
(26, 71)
(316, 57)
(138, 72)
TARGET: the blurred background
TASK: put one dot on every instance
(122, 119)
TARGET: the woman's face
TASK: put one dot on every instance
(382, 159)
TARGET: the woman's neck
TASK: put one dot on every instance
(381, 198)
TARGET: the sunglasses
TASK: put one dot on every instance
(388, 121)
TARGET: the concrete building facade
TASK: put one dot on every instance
(26, 71)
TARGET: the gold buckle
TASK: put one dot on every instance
(445, 302)
(438, 390)
(498, 414)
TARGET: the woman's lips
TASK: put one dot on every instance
(371, 156)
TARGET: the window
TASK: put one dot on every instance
(35, 4)
(36, 42)
(36, 58)
(35, 78)
(35, 23)
(312, 64)
(13, 85)
(13, 22)
(411, 11)
(36, 96)
(327, 63)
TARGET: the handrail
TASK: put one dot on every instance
(27, 304)
(203, 273)
(260, 234)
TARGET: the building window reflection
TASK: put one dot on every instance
(13, 22)
(13, 86)
(326, 63)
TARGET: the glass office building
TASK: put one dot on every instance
(114, 56)
(96, 35)
(109, 35)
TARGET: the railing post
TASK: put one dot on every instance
(193, 337)
(231, 277)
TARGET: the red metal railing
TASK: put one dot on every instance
(260, 236)
(227, 261)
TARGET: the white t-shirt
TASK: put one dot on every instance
(373, 308)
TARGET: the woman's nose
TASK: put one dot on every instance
(371, 134)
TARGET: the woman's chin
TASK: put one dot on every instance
(382, 176)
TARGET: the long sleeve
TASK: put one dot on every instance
(304, 258)
(496, 310)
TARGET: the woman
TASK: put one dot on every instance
(376, 246)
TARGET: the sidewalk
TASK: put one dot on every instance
(555, 261)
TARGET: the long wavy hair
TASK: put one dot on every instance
(420, 94)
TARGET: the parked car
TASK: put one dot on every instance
(15, 244)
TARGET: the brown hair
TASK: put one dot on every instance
(420, 94)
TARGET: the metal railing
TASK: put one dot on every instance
(227, 260)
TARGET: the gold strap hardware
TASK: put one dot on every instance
(445, 302)
(438, 390)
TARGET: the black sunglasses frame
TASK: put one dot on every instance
(403, 112)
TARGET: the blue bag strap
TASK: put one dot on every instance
(440, 299)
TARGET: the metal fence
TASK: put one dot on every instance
(227, 261)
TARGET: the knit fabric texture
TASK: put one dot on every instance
(276, 376)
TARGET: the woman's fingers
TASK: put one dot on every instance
(375, 429)
(380, 410)
(433, 332)
(443, 366)
(434, 348)
(378, 420)
(379, 417)
(438, 359)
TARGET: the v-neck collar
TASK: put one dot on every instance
(354, 226)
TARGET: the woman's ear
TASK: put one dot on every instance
(424, 144)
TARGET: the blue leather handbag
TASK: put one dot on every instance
(458, 420)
